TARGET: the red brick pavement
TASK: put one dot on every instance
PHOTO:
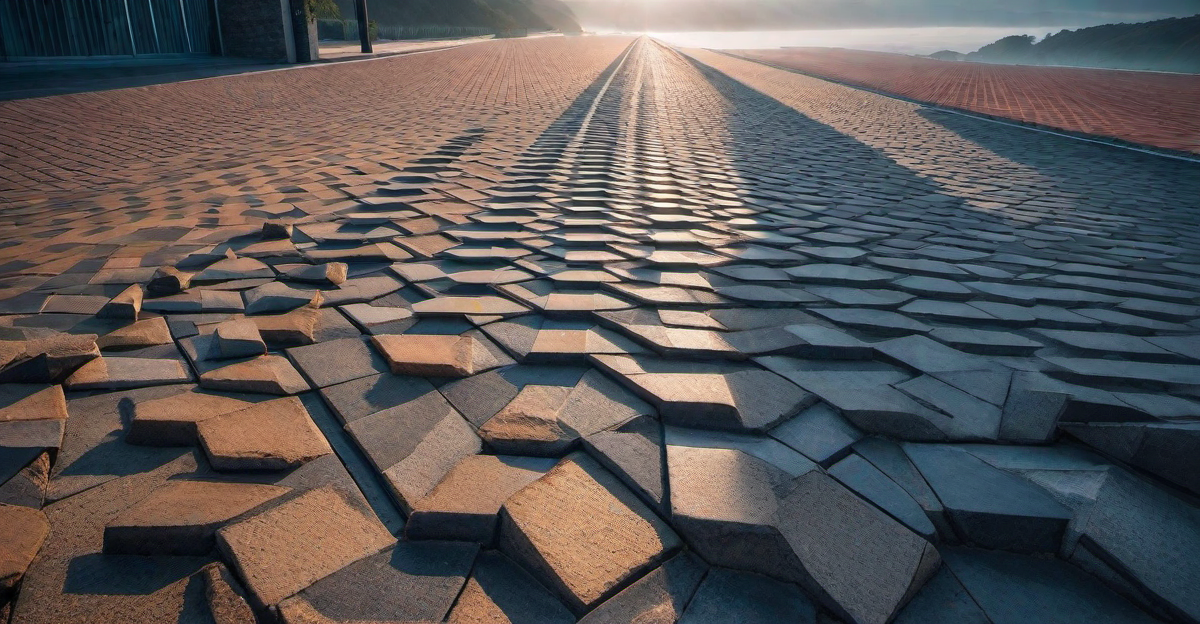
(1142, 107)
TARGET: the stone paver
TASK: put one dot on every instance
(600, 330)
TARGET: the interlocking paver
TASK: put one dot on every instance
(605, 306)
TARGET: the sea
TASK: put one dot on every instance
(922, 40)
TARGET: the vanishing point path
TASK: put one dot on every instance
(588, 329)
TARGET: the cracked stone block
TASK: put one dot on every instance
(465, 504)
(271, 435)
(415, 443)
(149, 332)
(182, 517)
(226, 599)
(24, 531)
(24, 481)
(239, 338)
(293, 329)
(634, 451)
(714, 396)
(289, 547)
(234, 269)
(478, 305)
(32, 402)
(266, 374)
(125, 305)
(437, 355)
(115, 373)
(873, 485)
(1163, 449)
(168, 280)
(582, 533)
(820, 433)
(337, 361)
(172, 420)
(45, 360)
(1021, 588)
(499, 591)
(279, 297)
(990, 507)
(943, 600)
(548, 420)
(333, 273)
(733, 596)
(1150, 538)
(423, 579)
(659, 597)
(276, 230)
(1031, 411)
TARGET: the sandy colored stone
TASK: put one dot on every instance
(268, 374)
(32, 402)
(293, 329)
(126, 305)
(500, 592)
(465, 504)
(226, 600)
(582, 533)
(285, 549)
(149, 332)
(24, 530)
(330, 273)
(169, 281)
(171, 421)
(49, 359)
(434, 355)
(114, 373)
(181, 517)
(272, 435)
(239, 338)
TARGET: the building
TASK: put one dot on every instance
(272, 30)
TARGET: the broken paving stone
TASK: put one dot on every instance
(439, 355)
(746, 598)
(870, 483)
(422, 581)
(31, 434)
(987, 506)
(1021, 588)
(239, 338)
(500, 592)
(337, 361)
(32, 402)
(272, 435)
(329, 273)
(465, 504)
(634, 452)
(226, 601)
(943, 600)
(1032, 409)
(380, 319)
(115, 373)
(1163, 449)
(126, 305)
(820, 433)
(657, 598)
(547, 420)
(276, 230)
(985, 342)
(279, 297)
(266, 374)
(234, 269)
(598, 536)
(149, 332)
(730, 396)
(169, 281)
(293, 329)
(288, 548)
(172, 420)
(182, 517)
(46, 360)
(481, 305)
(24, 531)
(415, 442)
(27, 485)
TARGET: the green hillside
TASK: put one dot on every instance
(500, 15)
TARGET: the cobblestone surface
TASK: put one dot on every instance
(1150, 108)
(589, 329)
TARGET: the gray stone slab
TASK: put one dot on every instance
(337, 361)
(732, 596)
(872, 484)
(657, 598)
(500, 591)
(465, 504)
(820, 433)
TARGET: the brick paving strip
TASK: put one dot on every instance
(588, 329)
(1157, 109)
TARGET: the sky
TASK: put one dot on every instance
(685, 15)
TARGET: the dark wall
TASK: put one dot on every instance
(255, 29)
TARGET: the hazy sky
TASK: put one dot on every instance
(776, 14)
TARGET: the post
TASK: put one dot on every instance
(364, 30)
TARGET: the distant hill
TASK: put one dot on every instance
(1163, 45)
(533, 15)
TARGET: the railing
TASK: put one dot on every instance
(81, 28)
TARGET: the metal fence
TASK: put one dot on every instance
(42, 28)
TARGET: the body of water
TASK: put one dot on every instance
(924, 40)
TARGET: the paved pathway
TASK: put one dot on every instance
(589, 329)
(1147, 108)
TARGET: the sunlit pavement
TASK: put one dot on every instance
(588, 329)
